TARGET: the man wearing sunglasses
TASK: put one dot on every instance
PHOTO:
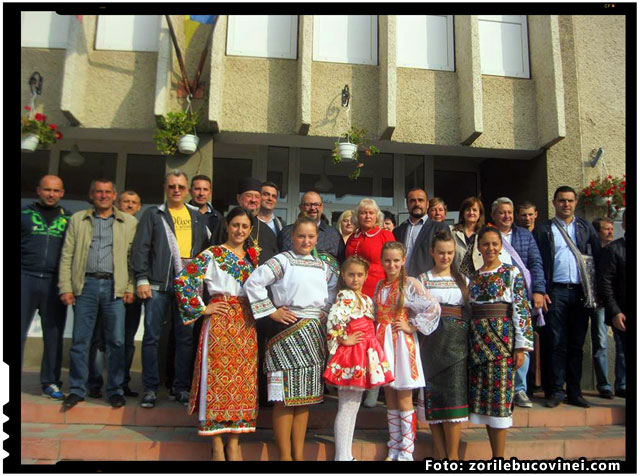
(167, 236)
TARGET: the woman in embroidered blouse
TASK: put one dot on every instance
(368, 239)
(468, 258)
(303, 288)
(443, 401)
(224, 385)
(500, 333)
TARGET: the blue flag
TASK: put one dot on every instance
(206, 19)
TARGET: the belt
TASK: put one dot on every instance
(99, 275)
(567, 285)
(489, 311)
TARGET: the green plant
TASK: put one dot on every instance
(356, 136)
(47, 133)
(171, 128)
(613, 189)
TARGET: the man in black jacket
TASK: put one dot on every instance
(200, 192)
(612, 287)
(417, 233)
(42, 229)
(567, 319)
(166, 236)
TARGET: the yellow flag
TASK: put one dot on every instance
(190, 28)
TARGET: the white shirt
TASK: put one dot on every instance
(413, 230)
(504, 256)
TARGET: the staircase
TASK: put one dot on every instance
(93, 431)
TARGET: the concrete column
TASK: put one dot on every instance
(469, 75)
(216, 73)
(75, 73)
(305, 58)
(163, 69)
(388, 77)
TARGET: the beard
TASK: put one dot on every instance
(417, 212)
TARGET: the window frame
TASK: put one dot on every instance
(424, 63)
(525, 72)
(233, 47)
(322, 57)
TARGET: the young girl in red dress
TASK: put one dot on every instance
(357, 361)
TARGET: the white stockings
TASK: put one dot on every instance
(344, 426)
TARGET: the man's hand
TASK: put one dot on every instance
(538, 301)
(546, 302)
(144, 291)
(128, 298)
(68, 299)
(619, 321)
(518, 359)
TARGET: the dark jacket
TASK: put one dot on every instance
(213, 218)
(585, 235)
(329, 240)
(151, 258)
(612, 279)
(41, 245)
(525, 245)
(420, 260)
(259, 231)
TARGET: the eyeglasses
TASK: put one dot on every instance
(177, 187)
(312, 205)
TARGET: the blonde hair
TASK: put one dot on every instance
(367, 202)
(402, 279)
(342, 216)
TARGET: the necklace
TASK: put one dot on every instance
(256, 240)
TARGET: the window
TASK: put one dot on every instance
(44, 30)
(128, 32)
(453, 187)
(413, 172)
(77, 177)
(145, 175)
(345, 39)
(33, 166)
(278, 170)
(267, 36)
(226, 174)
(425, 41)
(504, 45)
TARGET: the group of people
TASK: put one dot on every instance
(443, 311)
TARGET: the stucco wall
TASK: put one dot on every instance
(49, 64)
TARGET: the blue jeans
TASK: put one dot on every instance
(567, 322)
(42, 294)
(620, 339)
(521, 375)
(158, 310)
(97, 297)
(599, 349)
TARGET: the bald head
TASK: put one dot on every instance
(50, 190)
(311, 205)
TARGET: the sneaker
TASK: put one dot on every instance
(183, 397)
(117, 401)
(148, 399)
(53, 391)
(72, 400)
(522, 400)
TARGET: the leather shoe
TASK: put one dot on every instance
(578, 401)
(554, 401)
(128, 392)
(94, 393)
(117, 401)
(606, 394)
(72, 400)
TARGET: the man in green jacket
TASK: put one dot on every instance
(94, 277)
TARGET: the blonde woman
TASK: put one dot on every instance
(345, 226)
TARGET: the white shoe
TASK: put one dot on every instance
(522, 400)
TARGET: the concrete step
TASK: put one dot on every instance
(52, 442)
(37, 409)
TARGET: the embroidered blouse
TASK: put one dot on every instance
(443, 288)
(505, 284)
(297, 281)
(346, 308)
(220, 270)
(424, 309)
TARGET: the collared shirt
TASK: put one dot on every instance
(565, 268)
(505, 257)
(413, 230)
(100, 257)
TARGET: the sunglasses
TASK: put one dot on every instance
(177, 187)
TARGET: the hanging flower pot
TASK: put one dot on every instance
(601, 201)
(188, 144)
(347, 150)
(29, 143)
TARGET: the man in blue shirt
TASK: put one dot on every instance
(567, 319)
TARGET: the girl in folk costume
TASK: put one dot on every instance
(303, 288)
(443, 401)
(357, 361)
(500, 334)
(225, 394)
(402, 306)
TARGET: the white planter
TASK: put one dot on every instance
(29, 143)
(188, 144)
(600, 201)
(347, 150)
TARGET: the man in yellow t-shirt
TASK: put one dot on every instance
(182, 226)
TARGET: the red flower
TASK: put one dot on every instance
(28, 108)
(58, 135)
(217, 251)
(191, 268)
(39, 117)
(53, 127)
(509, 361)
(194, 302)
(253, 255)
(487, 340)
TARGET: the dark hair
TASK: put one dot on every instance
(302, 220)
(92, 185)
(402, 279)
(270, 184)
(413, 190)
(233, 213)
(360, 261)
(466, 204)
(597, 223)
(200, 177)
(488, 229)
(389, 216)
(526, 204)
(446, 236)
(564, 189)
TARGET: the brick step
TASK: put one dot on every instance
(36, 409)
(52, 442)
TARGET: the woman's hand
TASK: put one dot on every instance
(351, 339)
(403, 326)
(284, 316)
(219, 307)
(518, 359)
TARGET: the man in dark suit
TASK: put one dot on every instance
(417, 233)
